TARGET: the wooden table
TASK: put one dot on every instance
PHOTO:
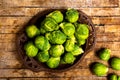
(15, 13)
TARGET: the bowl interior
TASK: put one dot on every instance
(32, 63)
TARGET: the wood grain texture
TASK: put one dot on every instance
(60, 3)
(28, 12)
(14, 14)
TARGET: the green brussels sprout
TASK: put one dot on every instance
(69, 58)
(67, 28)
(69, 45)
(42, 43)
(53, 62)
(72, 15)
(56, 50)
(43, 56)
(30, 49)
(49, 24)
(42, 30)
(82, 31)
(56, 15)
(32, 31)
(104, 54)
(77, 50)
(113, 77)
(118, 78)
(81, 42)
(57, 37)
(115, 63)
(99, 69)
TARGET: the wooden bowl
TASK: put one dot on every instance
(33, 64)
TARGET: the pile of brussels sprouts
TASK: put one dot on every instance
(58, 38)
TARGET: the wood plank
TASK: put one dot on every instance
(106, 20)
(112, 28)
(27, 73)
(103, 3)
(20, 21)
(71, 78)
(34, 11)
(60, 3)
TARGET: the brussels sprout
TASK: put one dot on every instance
(43, 56)
(69, 45)
(30, 49)
(32, 31)
(67, 28)
(42, 43)
(53, 62)
(72, 15)
(82, 31)
(42, 30)
(81, 42)
(113, 77)
(57, 15)
(77, 50)
(99, 69)
(56, 50)
(115, 63)
(69, 58)
(104, 54)
(49, 24)
(57, 37)
(118, 78)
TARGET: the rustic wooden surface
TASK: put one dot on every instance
(15, 13)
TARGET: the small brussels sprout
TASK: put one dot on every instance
(32, 31)
(81, 42)
(72, 15)
(53, 62)
(42, 43)
(56, 50)
(69, 58)
(77, 50)
(49, 24)
(113, 77)
(43, 56)
(57, 37)
(67, 28)
(104, 54)
(82, 31)
(115, 63)
(42, 30)
(99, 69)
(118, 78)
(30, 49)
(56, 15)
(69, 45)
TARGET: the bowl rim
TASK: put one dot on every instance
(22, 34)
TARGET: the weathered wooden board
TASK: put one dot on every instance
(32, 11)
(59, 3)
(28, 73)
(14, 14)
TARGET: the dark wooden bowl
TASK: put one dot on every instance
(33, 64)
